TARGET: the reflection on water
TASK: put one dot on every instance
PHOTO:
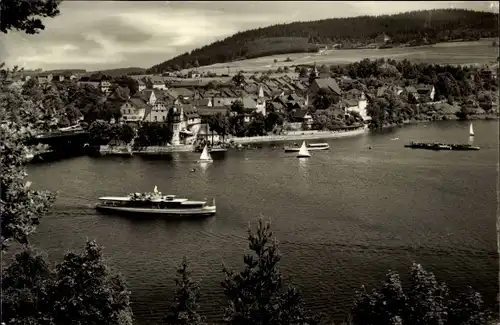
(203, 166)
(304, 166)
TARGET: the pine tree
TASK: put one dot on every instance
(184, 310)
(256, 295)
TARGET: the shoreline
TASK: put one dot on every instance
(305, 135)
(488, 117)
(291, 136)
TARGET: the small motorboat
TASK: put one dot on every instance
(310, 147)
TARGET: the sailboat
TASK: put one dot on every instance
(303, 152)
(471, 131)
(205, 156)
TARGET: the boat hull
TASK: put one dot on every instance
(303, 156)
(205, 211)
(310, 147)
(292, 149)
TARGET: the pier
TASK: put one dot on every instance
(440, 146)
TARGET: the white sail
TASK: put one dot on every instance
(205, 156)
(471, 130)
(303, 152)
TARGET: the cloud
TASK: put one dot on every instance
(97, 35)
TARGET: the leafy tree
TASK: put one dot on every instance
(302, 72)
(86, 292)
(196, 64)
(323, 69)
(149, 83)
(100, 132)
(322, 100)
(26, 286)
(20, 206)
(24, 15)
(286, 69)
(256, 295)
(32, 90)
(273, 119)
(237, 107)
(238, 79)
(184, 310)
(80, 290)
(127, 133)
(257, 126)
(153, 134)
(130, 83)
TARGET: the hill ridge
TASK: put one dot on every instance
(410, 28)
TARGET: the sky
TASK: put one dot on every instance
(98, 35)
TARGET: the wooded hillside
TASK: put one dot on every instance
(410, 28)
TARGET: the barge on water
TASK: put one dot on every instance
(440, 146)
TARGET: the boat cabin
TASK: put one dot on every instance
(165, 202)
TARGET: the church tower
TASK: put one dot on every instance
(176, 127)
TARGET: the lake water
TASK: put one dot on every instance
(343, 217)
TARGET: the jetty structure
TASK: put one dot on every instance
(441, 146)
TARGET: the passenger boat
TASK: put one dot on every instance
(310, 147)
(155, 203)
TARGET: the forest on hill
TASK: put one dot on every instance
(411, 29)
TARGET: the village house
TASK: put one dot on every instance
(357, 104)
(193, 74)
(426, 92)
(328, 85)
(158, 82)
(394, 89)
(133, 110)
(141, 84)
(204, 102)
(158, 113)
(276, 107)
(301, 118)
(44, 77)
(63, 76)
(419, 93)
(95, 84)
(148, 96)
(220, 101)
(105, 86)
